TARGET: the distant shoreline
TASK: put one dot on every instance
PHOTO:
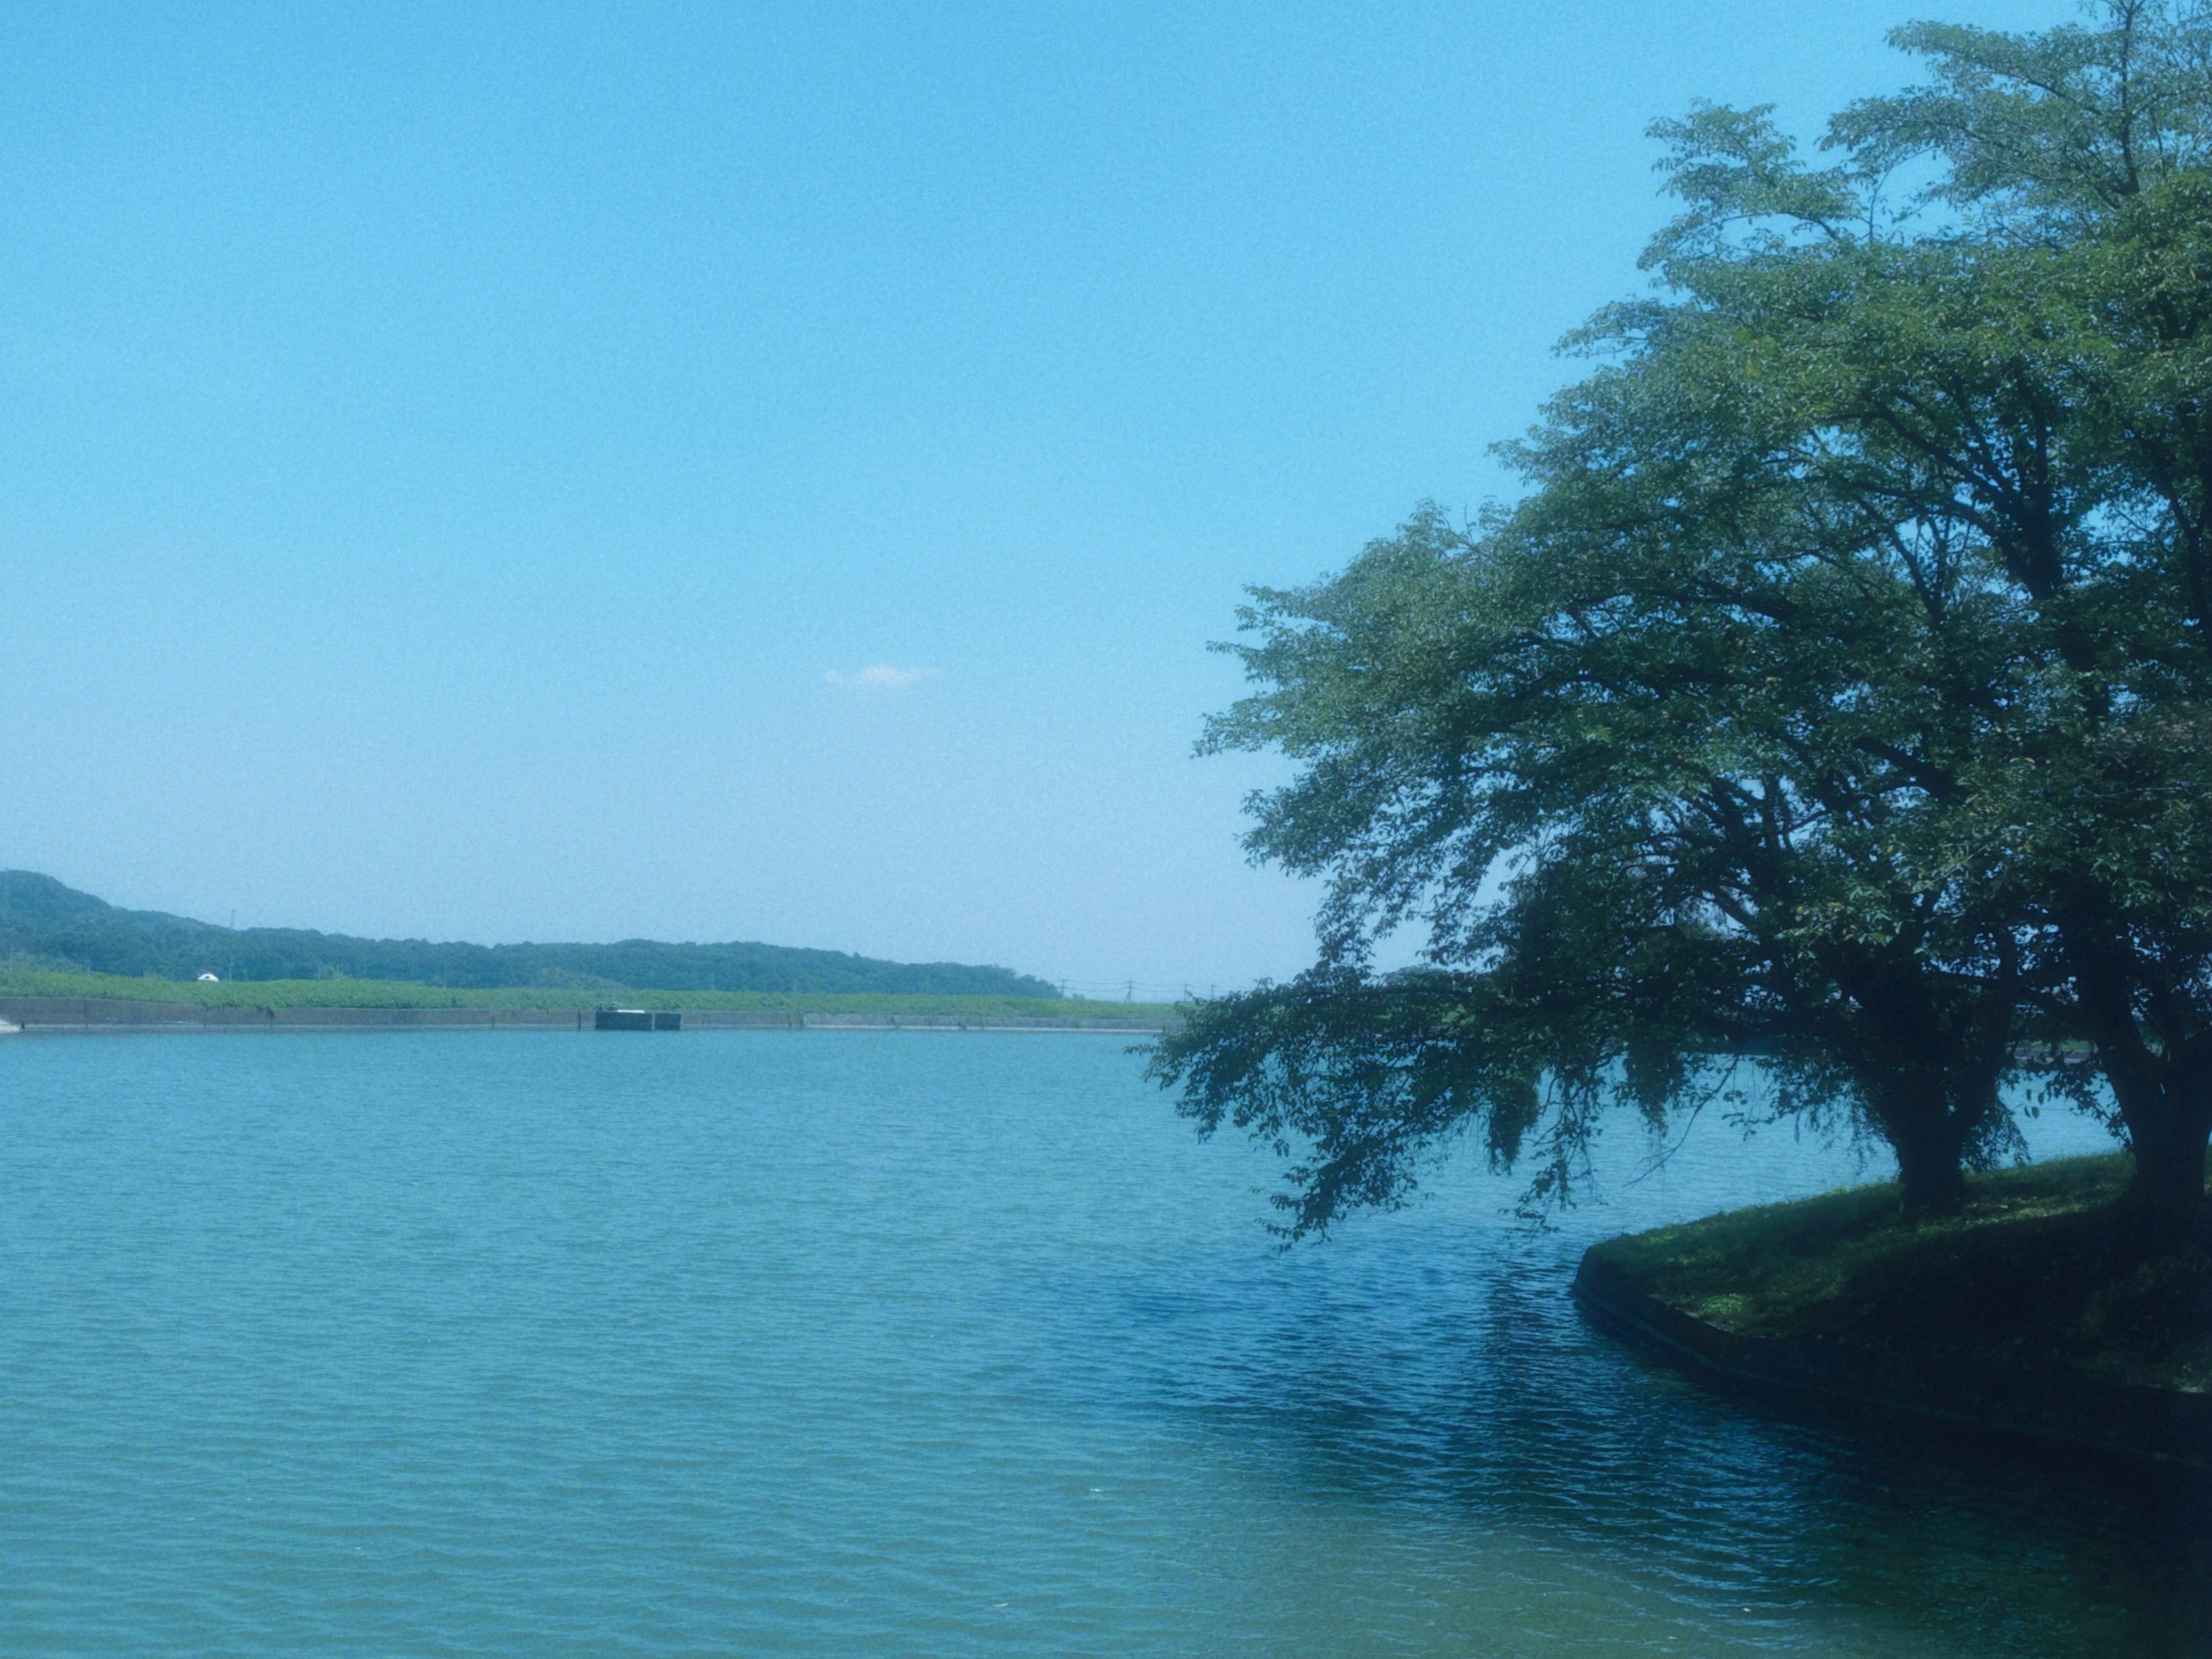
(50, 999)
(63, 1016)
(42, 921)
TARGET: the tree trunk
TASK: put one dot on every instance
(2167, 1110)
(1931, 1164)
(1914, 1114)
(1927, 1061)
(2155, 1051)
(2170, 1181)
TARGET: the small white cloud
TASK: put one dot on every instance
(881, 676)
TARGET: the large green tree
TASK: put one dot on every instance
(1835, 693)
(2034, 374)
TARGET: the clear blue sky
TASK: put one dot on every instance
(457, 464)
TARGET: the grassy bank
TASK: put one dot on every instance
(399, 994)
(2038, 1269)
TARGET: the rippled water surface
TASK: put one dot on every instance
(859, 1344)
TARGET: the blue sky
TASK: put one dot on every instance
(765, 472)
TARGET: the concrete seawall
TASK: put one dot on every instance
(95, 1014)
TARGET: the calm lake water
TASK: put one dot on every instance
(862, 1343)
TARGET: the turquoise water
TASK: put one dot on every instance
(862, 1344)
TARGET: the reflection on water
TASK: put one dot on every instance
(876, 1344)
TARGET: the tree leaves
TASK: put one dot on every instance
(1836, 692)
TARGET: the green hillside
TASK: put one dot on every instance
(45, 926)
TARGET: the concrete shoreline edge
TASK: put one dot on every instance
(2058, 1406)
(81, 1015)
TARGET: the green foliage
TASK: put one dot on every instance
(1357, 1077)
(1838, 693)
(45, 923)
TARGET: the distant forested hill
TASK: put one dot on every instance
(45, 923)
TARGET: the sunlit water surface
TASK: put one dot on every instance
(859, 1344)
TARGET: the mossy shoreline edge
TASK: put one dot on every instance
(2043, 1310)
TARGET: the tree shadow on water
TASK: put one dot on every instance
(1463, 1390)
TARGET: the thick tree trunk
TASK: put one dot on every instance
(1931, 1162)
(2170, 1181)
(2154, 1036)
(1927, 1061)
(1927, 1133)
(2167, 1111)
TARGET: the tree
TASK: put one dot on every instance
(1808, 703)
(2051, 397)
(1704, 809)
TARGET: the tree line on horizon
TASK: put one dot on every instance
(45, 923)
(1836, 697)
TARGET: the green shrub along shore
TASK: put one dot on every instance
(399, 993)
(2040, 1270)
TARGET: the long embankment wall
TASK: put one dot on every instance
(104, 1014)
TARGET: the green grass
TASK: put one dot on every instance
(2037, 1267)
(397, 993)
